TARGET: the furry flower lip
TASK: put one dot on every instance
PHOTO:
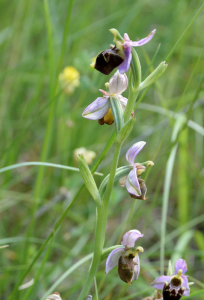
(119, 55)
(134, 184)
(100, 109)
(176, 285)
(126, 257)
(108, 60)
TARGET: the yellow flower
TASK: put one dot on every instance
(69, 79)
(88, 154)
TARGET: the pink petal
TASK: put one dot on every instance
(113, 257)
(97, 109)
(132, 184)
(133, 151)
(136, 268)
(185, 284)
(130, 237)
(118, 83)
(145, 40)
(104, 92)
(180, 264)
(126, 37)
(123, 68)
(159, 282)
(123, 101)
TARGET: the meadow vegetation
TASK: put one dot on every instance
(47, 215)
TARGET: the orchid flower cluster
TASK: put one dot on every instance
(111, 108)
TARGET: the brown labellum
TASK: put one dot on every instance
(143, 189)
(108, 60)
(126, 268)
(107, 119)
(170, 293)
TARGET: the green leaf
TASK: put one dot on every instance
(153, 76)
(120, 172)
(125, 131)
(88, 179)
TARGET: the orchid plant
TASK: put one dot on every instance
(111, 108)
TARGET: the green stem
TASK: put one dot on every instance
(131, 102)
(101, 220)
(133, 83)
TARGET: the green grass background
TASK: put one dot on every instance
(37, 40)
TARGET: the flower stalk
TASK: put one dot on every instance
(101, 220)
(113, 107)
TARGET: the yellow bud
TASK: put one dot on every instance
(69, 79)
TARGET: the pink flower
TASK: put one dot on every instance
(100, 108)
(124, 66)
(176, 285)
(126, 257)
(134, 184)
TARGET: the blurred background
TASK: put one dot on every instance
(40, 120)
